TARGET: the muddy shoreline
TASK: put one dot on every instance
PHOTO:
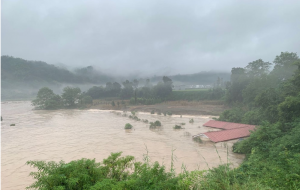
(214, 108)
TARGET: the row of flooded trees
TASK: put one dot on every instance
(70, 98)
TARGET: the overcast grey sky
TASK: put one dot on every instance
(153, 36)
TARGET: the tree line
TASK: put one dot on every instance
(72, 97)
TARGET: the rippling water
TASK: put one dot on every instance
(74, 134)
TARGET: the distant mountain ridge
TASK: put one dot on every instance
(17, 70)
(20, 70)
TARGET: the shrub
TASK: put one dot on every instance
(165, 113)
(178, 127)
(158, 113)
(136, 118)
(145, 120)
(113, 103)
(13, 124)
(191, 120)
(152, 112)
(128, 126)
(157, 123)
(169, 113)
(154, 125)
(197, 139)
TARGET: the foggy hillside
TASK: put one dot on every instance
(21, 79)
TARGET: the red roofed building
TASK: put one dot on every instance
(230, 130)
(225, 125)
(225, 135)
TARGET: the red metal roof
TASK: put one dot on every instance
(225, 125)
(225, 135)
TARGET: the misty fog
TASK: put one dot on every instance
(149, 37)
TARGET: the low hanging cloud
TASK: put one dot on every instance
(150, 36)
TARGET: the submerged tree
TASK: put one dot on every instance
(46, 99)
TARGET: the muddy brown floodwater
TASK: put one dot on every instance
(74, 134)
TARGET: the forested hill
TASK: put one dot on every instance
(20, 70)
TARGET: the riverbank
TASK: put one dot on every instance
(175, 107)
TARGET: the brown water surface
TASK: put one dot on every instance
(74, 134)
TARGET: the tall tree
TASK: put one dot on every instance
(284, 65)
(238, 83)
(135, 85)
(258, 68)
(127, 91)
(70, 96)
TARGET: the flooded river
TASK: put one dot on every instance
(74, 134)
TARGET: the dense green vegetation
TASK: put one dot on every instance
(116, 172)
(270, 99)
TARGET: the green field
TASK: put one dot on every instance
(190, 95)
(192, 89)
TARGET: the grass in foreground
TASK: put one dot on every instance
(116, 172)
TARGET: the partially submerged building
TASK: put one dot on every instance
(229, 131)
